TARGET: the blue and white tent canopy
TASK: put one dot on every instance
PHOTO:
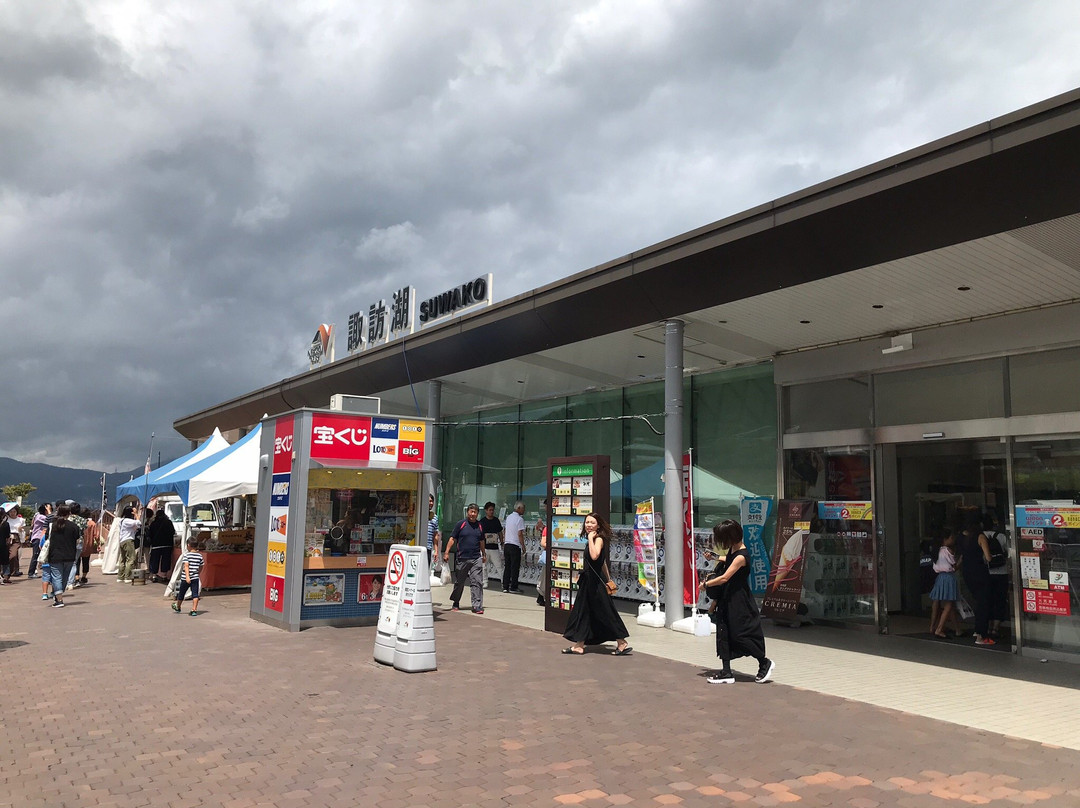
(232, 472)
(142, 487)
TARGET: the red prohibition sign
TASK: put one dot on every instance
(396, 568)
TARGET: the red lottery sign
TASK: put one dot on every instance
(283, 445)
(275, 593)
(340, 437)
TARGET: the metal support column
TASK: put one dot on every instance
(434, 412)
(673, 452)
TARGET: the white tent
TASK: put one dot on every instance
(232, 472)
(143, 487)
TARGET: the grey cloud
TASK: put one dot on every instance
(185, 195)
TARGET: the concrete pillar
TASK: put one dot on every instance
(673, 452)
(434, 412)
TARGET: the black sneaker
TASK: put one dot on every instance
(765, 671)
(722, 678)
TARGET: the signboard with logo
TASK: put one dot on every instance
(385, 320)
(1049, 535)
(754, 514)
(278, 536)
(321, 348)
(364, 439)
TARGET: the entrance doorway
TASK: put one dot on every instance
(938, 486)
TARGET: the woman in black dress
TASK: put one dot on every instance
(734, 610)
(594, 619)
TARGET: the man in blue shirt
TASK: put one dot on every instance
(468, 540)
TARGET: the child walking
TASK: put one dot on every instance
(945, 592)
(191, 562)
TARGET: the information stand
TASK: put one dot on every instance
(577, 486)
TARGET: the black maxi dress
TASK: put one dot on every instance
(738, 623)
(593, 618)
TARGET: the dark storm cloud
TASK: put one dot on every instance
(186, 191)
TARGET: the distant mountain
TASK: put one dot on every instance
(56, 483)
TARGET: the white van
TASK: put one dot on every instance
(200, 516)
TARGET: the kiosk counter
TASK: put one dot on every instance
(336, 490)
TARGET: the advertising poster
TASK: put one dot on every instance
(690, 593)
(567, 528)
(369, 587)
(645, 546)
(324, 589)
(1047, 535)
(784, 591)
(754, 513)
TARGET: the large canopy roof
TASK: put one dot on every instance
(993, 209)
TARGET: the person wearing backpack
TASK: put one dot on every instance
(469, 560)
(999, 573)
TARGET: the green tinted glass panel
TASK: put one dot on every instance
(734, 427)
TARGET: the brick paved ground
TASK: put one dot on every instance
(116, 701)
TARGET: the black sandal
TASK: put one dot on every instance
(571, 650)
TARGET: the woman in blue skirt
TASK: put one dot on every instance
(945, 592)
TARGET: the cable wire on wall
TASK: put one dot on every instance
(546, 421)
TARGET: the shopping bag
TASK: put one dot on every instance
(444, 574)
(964, 610)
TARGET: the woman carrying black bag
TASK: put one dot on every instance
(999, 574)
(734, 610)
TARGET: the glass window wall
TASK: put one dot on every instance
(956, 392)
(734, 423)
(1045, 382)
(1046, 485)
(821, 406)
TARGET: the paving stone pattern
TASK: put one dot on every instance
(117, 701)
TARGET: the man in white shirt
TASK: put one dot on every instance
(512, 545)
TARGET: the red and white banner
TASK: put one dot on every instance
(690, 595)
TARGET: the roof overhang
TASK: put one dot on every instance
(988, 202)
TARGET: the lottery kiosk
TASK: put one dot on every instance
(336, 490)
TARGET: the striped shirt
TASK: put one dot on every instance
(432, 529)
(194, 563)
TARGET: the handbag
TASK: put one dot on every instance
(609, 584)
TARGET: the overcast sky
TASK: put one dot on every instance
(188, 189)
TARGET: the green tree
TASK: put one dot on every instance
(16, 490)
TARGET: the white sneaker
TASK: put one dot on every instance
(722, 678)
